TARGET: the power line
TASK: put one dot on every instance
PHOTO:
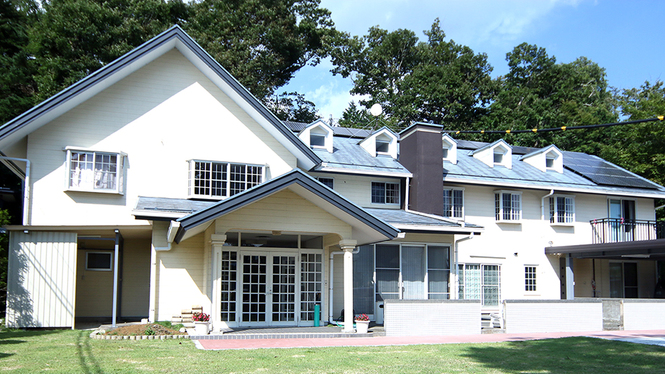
(562, 128)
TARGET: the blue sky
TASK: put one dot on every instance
(625, 37)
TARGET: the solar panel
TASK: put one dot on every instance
(602, 172)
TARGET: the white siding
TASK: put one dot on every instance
(358, 188)
(42, 279)
(161, 116)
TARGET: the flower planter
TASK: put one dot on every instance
(362, 327)
(201, 328)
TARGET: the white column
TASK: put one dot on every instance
(217, 242)
(348, 246)
(114, 314)
(152, 315)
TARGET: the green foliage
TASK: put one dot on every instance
(17, 86)
(262, 43)
(292, 106)
(433, 81)
(361, 118)
(538, 93)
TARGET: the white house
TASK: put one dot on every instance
(159, 182)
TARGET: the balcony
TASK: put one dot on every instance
(615, 230)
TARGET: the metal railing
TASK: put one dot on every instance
(614, 230)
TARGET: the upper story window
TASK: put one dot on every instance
(318, 135)
(562, 209)
(495, 154)
(329, 182)
(317, 140)
(385, 193)
(453, 202)
(498, 157)
(222, 179)
(382, 146)
(94, 171)
(449, 149)
(549, 162)
(382, 142)
(507, 206)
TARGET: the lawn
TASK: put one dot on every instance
(73, 351)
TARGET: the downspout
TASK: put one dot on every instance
(457, 262)
(542, 204)
(406, 194)
(114, 314)
(330, 286)
(26, 188)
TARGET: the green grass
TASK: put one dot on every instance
(74, 352)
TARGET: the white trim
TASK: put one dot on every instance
(399, 193)
(363, 172)
(110, 255)
(512, 193)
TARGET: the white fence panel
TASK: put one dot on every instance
(431, 317)
(643, 314)
(526, 316)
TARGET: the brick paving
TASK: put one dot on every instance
(646, 337)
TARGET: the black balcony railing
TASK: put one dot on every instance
(614, 230)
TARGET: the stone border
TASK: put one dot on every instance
(99, 335)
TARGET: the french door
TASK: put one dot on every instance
(268, 289)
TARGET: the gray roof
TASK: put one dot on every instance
(401, 218)
(471, 170)
(349, 156)
(168, 207)
(337, 130)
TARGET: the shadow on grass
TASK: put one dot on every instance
(572, 355)
(87, 360)
(16, 333)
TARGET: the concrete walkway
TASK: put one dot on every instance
(646, 337)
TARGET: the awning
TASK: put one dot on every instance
(643, 249)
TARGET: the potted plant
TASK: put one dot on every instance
(201, 322)
(362, 323)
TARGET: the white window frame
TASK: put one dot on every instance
(88, 268)
(452, 203)
(319, 136)
(332, 182)
(385, 195)
(227, 193)
(553, 209)
(95, 173)
(530, 279)
(482, 266)
(513, 218)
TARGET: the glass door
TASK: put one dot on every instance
(268, 289)
(413, 272)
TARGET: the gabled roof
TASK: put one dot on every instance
(492, 145)
(367, 227)
(174, 37)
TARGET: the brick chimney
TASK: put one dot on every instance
(421, 151)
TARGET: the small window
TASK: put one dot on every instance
(549, 162)
(498, 158)
(530, 278)
(326, 181)
(98, 261)
(562, 209)
(385, 193)
(507, 206)
(382, 146)
(445, 153)
(453, 203)
(317, 140)
(94, 171)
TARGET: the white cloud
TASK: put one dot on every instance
(332, 98)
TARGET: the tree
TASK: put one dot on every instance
(361, 118)
(17, 86)
(292, 106)
(263, 42)
(74, 38)
(640, 147)
(538, 93)
(432, 81)
(4, 242)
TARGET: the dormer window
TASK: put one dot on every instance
(449, 149)
(549, 162)
(380, 143)
(498, 153)
(317, 140)
(318, 135)
(498, 158)
(382, 146)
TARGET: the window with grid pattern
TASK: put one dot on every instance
(222, 179)
(530, 278)
(229, 285)
(453, 203)
(385, 193)
(562, 209)
(94, 171)
(480, 282)
(507, 206)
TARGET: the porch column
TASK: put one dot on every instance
(217, 242)
(348, 246)
(570, 278)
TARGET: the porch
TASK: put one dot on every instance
(616, 230)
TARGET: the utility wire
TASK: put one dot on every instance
(562, 128)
